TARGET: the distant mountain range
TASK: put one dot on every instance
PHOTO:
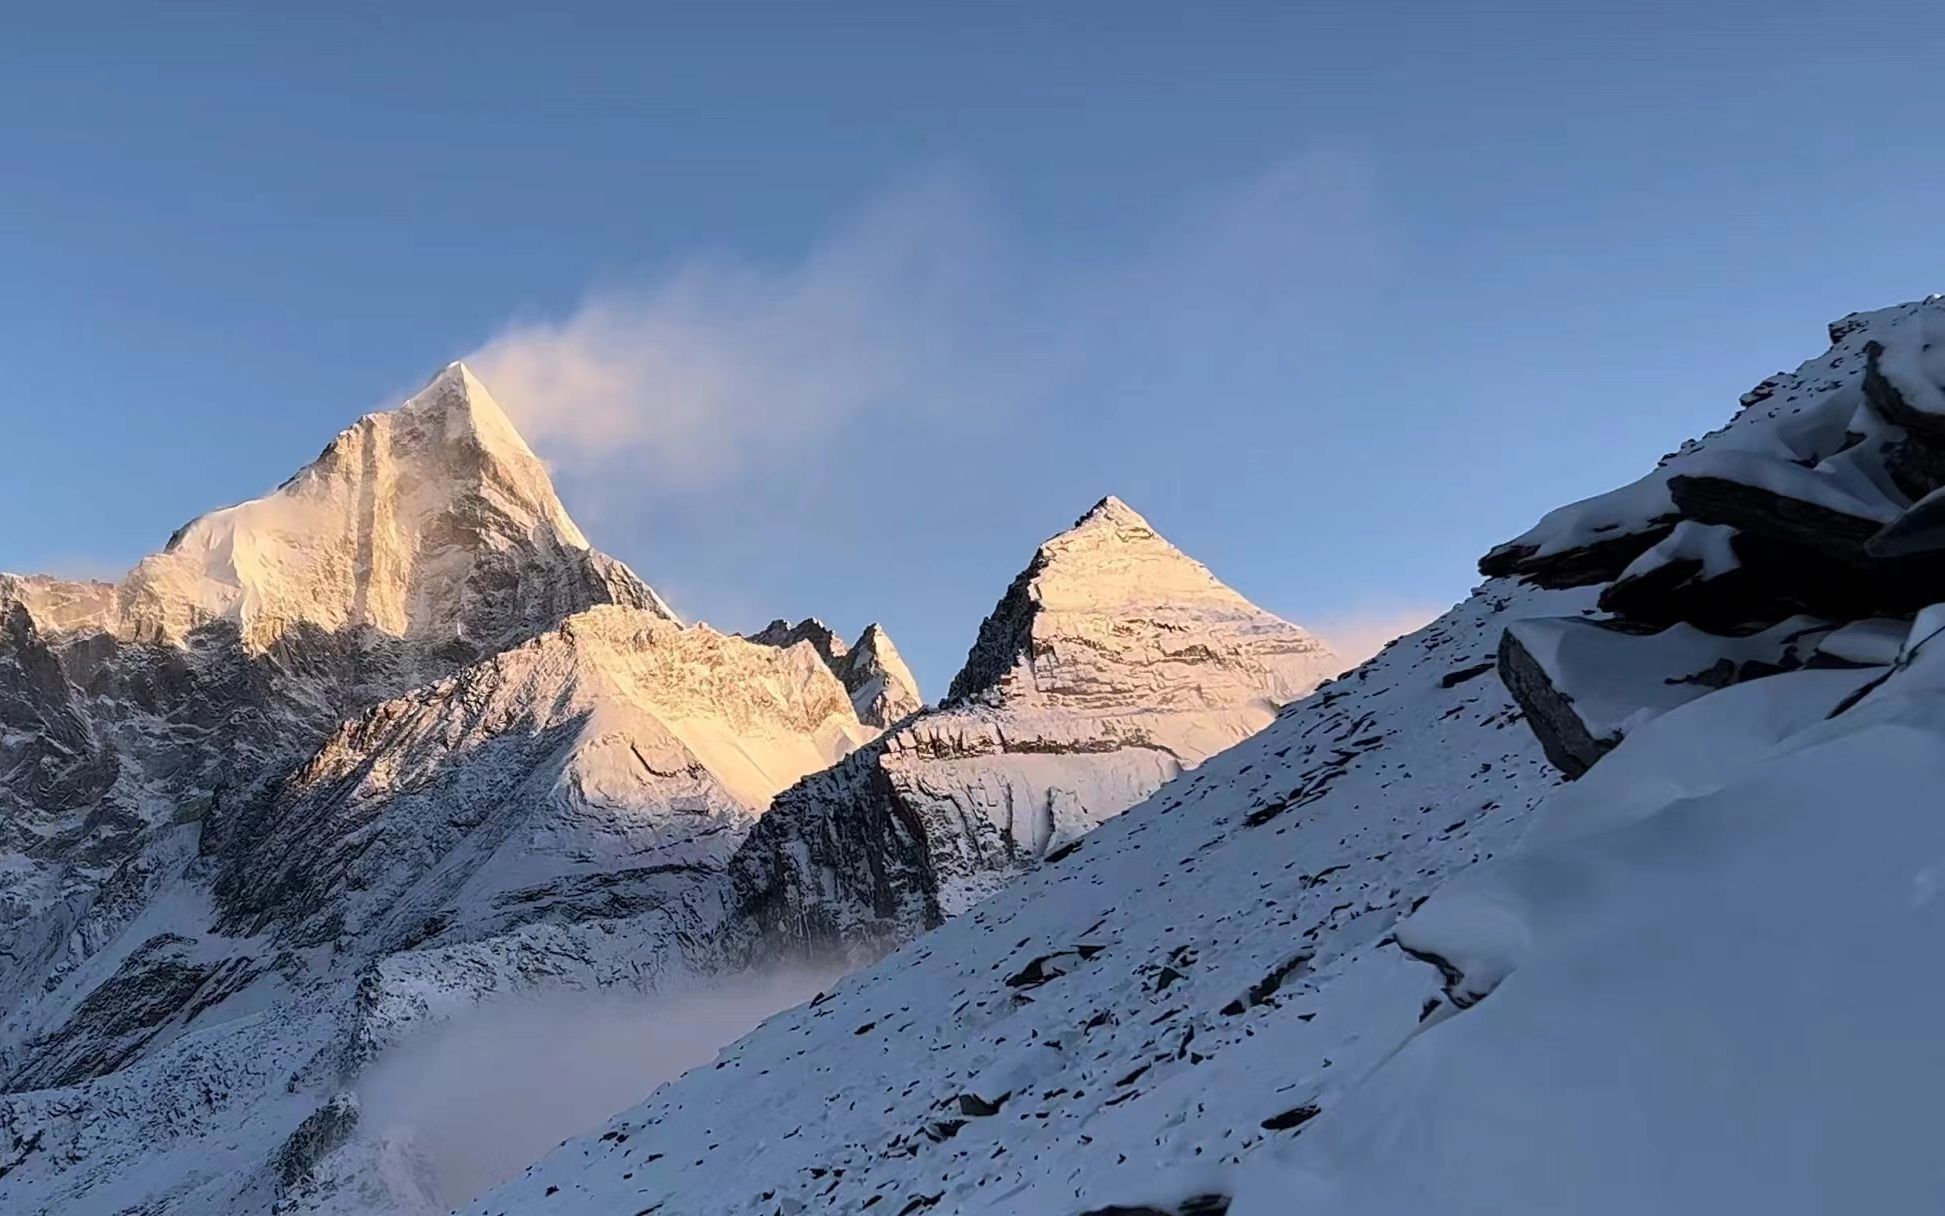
(393, 742)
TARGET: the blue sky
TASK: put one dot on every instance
(839, 309)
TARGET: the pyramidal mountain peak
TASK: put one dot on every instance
(1113, 663)
(433, 521)
(1114, 512)
(1113, 585)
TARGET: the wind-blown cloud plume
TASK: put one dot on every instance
(722, 365)
(921, 306)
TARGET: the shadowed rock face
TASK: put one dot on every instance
(1111, 664)
(160, 984)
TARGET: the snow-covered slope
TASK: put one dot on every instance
(1214, 958)
(1113, 663)
(1692, 981)
(611, 752)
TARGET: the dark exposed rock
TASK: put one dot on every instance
(325, 1130)
(1679, 590)
(1005, 635)
(1262, 990)
(882, 689)
(1549, 711)
(1296, 1116)
(1785, 521)
(1596, 562)
(1923, 426)
(50, 758)
(1050, 967)
(821, 637)
(1915, 467)
(846, 830)
(154, 985)
(1195, 1205)
(1452, 679)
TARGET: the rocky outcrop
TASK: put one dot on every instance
(1112, 663)
(1812, 510)
(1585, 683)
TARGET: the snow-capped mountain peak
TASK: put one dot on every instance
(1113, 589)
(1112, 512)
(433, 521)
(1113, 663)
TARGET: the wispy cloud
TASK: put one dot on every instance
(725, 370)
(723, 366)
(1356, 636)
(856, 430)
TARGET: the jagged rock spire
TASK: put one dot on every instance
(872, 671)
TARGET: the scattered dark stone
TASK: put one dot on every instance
(1268, 811)
(1050, 967)
(944, 1130)
(1452, 679)
(975, 1107)
(1262, 990)
(1296, 1116)
(1063, 852)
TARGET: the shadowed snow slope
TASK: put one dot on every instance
(1215, 957)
